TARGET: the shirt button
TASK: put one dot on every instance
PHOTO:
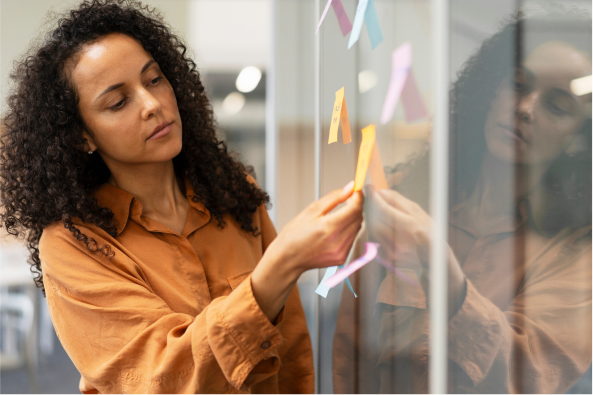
(265, 345)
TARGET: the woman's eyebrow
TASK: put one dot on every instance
(119, 85)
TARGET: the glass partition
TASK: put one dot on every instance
(516, 196)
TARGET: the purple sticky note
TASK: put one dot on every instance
(343, 20)
(323, 15)
(401, 61)
(370, 253)
(414, 108)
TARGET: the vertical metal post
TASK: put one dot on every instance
(316, 343)
(271, 127)
(439, 201)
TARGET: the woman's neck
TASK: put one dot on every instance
(156, 186)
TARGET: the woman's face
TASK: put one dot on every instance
(127, 104)
(534, 114)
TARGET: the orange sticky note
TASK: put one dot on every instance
(376, 169)
(364, 156)
(369, 159)
(340, 115)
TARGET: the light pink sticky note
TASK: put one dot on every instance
(401, 61)
(370, 253)
(343, 20)
(414, 108)
(396, 271)
(323, 15)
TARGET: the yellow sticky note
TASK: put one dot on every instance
(340, 115)
(364, 156)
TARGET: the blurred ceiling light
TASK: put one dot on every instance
(248, 79)
(233, 103)
(581, 86)
(367, 79)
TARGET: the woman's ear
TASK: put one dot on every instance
(90, 145)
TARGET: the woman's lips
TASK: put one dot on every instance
(513, 133)
(161, 132)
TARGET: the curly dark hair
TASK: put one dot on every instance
(567, 181)
(44, 178)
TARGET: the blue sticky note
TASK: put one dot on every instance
(358, 20)
(371, 20)
(323, 290)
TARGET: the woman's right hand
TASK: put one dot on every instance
(315, 238)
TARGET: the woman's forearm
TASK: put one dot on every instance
(272, 281)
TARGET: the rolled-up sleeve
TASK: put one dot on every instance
(123, 338)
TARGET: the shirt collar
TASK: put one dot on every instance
(121, 204)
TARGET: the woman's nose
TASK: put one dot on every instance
(150, 104)
(525, 111)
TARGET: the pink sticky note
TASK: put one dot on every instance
(401, 61)
(323, 15)
(370, 253)
(343, 20)
(414, 108)
(396, 271)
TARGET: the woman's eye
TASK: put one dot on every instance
(118, 105)
(156, 80)
(518, 86)
(555, 108)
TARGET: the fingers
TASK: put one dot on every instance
(349, 213)
(396, 199)
(332, 199)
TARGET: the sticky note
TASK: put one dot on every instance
(323, 15)
(364, 156)
(345, 25)
(403, 84)
(401, 61)
(371, 21)
(414, 107)
(371, 250)
(366, 12)
(396, 271)
(340, 116)
(376, 169)
(323, 290)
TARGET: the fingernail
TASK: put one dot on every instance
(348, 187)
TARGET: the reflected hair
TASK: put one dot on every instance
(567, 181)
(44, 175)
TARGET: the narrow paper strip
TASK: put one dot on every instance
(342, 274)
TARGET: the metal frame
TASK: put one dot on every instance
(439, 161)
(318, 136)
(271, 127)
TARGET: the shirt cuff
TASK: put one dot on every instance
(241, 336)
(475, 335)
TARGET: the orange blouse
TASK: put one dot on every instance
(172, 313)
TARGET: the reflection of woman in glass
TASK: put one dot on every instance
(520, 232)
(162, 269)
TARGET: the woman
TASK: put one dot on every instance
(161, 267)
(519, 264)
